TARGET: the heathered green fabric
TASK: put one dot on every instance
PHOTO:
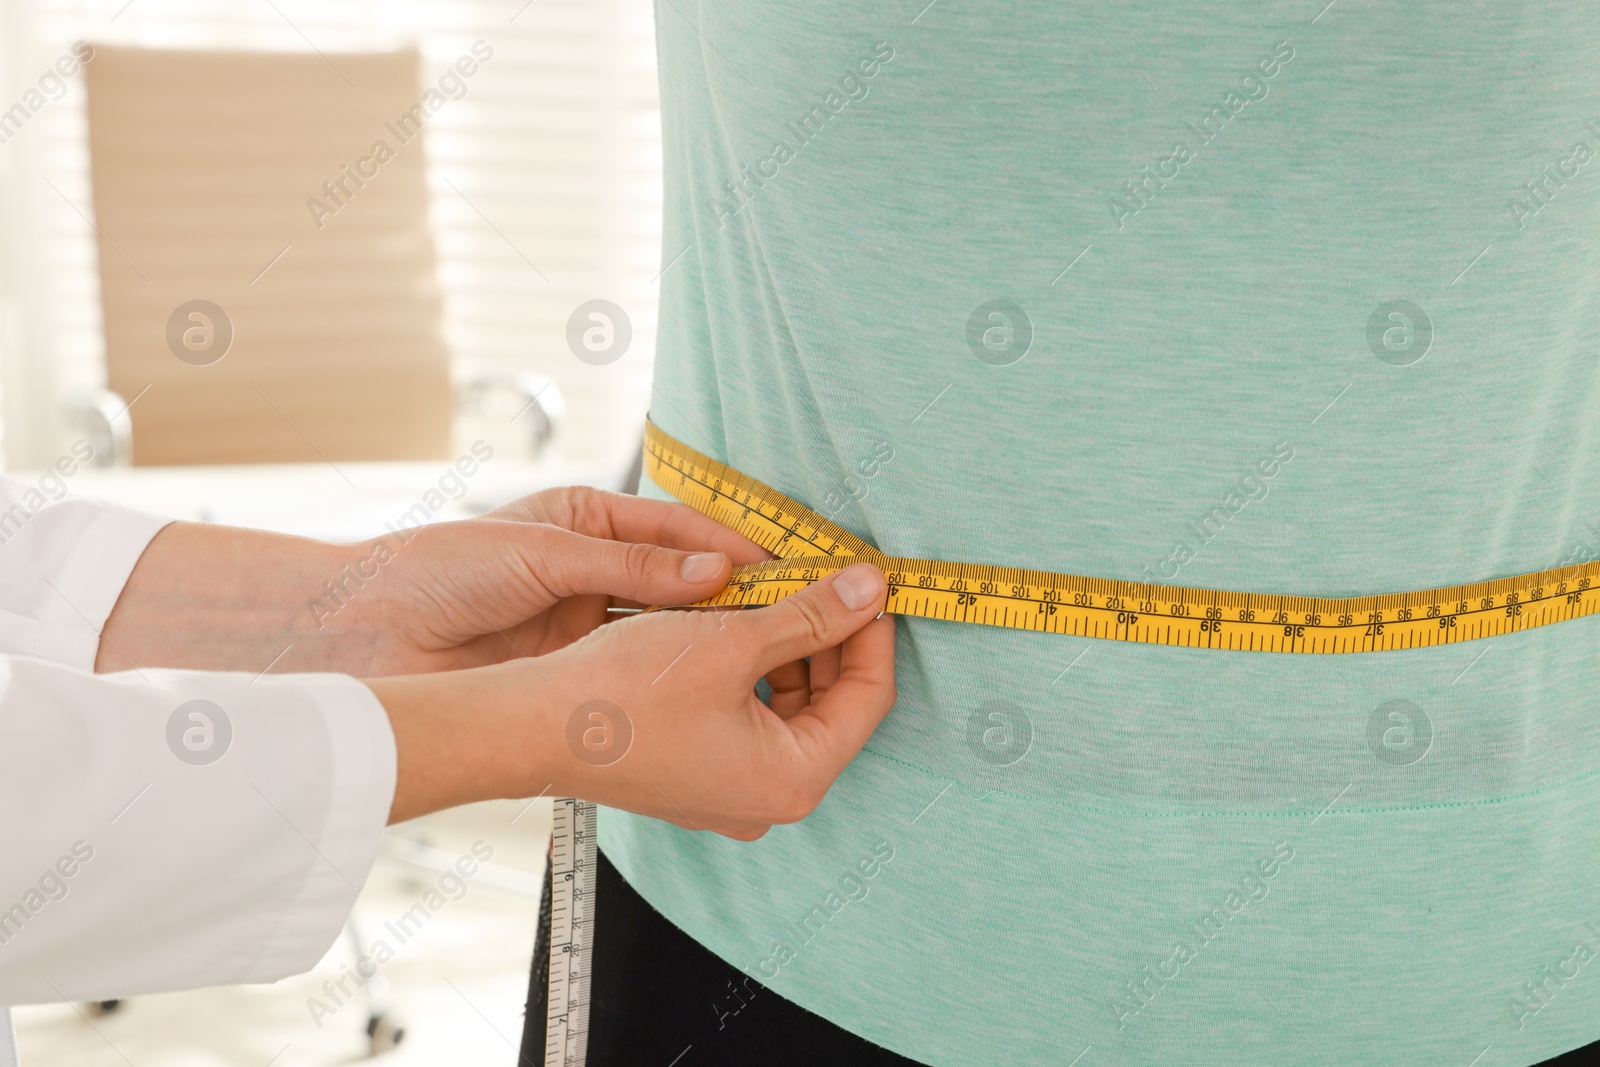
(1201, 404)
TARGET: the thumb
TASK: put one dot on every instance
(818, 617)
(570, 564)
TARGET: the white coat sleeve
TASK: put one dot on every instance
(163, 829)
(63, 564)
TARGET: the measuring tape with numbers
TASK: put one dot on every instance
(572, 882)
(810, 547)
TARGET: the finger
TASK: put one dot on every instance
(824, 670)
(791, 688)
(619, 517)
(741, 833)
(836, 726)
(570, 564)
(818, 617)
(678, 525)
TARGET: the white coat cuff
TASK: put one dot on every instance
(360, 794)
(61, 571)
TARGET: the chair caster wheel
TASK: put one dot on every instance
(383, 1034)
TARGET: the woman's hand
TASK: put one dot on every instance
(658, 714)
(521, 581)
(538, 574)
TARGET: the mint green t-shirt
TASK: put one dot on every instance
(1231, 295)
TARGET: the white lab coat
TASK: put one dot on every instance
(127, 864)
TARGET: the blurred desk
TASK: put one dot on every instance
(350, 502)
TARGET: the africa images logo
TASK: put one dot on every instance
(1139, 191)
(852, 89)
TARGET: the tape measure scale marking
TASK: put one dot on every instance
(572, 921)
(738, 501)
(811, 547)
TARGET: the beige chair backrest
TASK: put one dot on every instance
(269, 209)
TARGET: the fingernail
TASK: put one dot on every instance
(702, 567)
(858, 585)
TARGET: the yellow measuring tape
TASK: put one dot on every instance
(810, 547)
